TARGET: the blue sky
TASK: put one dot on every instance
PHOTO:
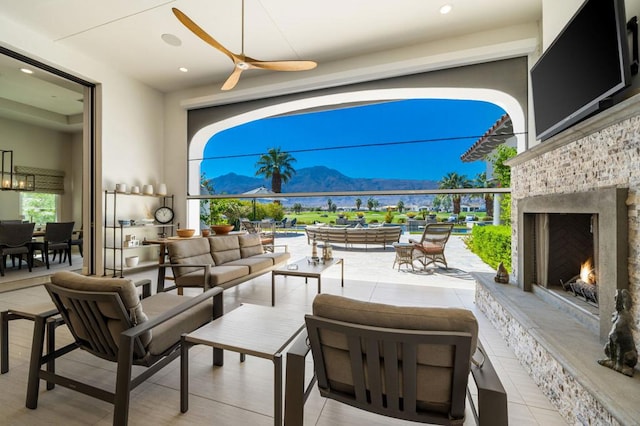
(409, 134)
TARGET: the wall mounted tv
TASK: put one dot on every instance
(585, 65)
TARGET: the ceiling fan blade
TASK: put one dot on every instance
(283, 65)
(232, 80)
(194, 28)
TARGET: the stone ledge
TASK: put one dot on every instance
(560, 355)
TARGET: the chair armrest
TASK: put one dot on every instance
(300, 347)
(286, 247)
(295, 392)
(204, 266)
(146, 287)
(492, 398)
(215, 293)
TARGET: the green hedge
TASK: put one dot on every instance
(492, 244)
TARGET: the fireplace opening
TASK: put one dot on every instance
(566, 255)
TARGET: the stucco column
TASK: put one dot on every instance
(496, 208)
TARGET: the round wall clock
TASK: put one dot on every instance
(164, 214)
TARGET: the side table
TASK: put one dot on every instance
(403, 254)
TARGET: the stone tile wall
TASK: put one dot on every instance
(610, 157)
(603, 151)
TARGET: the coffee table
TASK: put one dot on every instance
(305, 268)
(254, 330)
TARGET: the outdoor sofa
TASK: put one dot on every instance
(381, 235)
(221, 261)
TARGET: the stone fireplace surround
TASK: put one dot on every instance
(596, 161)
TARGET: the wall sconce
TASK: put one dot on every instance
(12, 181)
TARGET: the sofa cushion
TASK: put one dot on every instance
(255, 263)
(250, 245)
(224, 248)
(224, 273)
(276, 257)
(189, 251)
(167, 334)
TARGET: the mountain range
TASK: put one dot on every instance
(317, 179)
(324, 179)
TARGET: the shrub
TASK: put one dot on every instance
(388, 217)
(411, 215)
(492, 244)
(273, 210)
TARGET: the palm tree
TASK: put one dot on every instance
(329, 203)
(358, 203)
(276, 164)
(371, 203)
(481, 182)
(400, 206)
(453, 180)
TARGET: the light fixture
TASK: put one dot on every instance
(183, 69)
(446, 9)
(171, 40)
(12, 181)
(26, 70)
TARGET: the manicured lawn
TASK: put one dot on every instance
(310, 217)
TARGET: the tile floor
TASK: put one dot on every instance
(242, 393)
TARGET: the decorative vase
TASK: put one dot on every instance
(222, 229)
(162, 189)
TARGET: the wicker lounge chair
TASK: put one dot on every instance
(430, 248)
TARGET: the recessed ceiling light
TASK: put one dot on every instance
(26, 70)
(183, 69)
(171, 39)
(446, 9)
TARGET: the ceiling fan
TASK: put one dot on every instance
(241, 61)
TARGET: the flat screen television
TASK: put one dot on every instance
(586, 64)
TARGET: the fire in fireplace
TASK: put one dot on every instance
(584, 284)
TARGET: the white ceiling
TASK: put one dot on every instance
(127, 33)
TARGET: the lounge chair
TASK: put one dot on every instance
(404, 362)
(430, 248)
(107, 319)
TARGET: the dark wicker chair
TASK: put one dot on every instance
(15, 241)
(410, 363)
(57, 238)
(107, 319)
(430, 248)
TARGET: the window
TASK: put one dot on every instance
(38, 207)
